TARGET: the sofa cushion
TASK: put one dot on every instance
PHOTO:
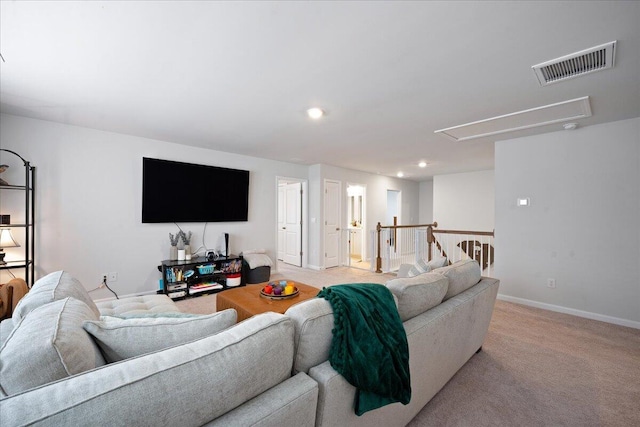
(47, 345)
(6, 326)
(462, 275)
(313, 321)
(140, 304)
(53, 287)
(121, 339)
(418, 294)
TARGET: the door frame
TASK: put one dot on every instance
(304, 212)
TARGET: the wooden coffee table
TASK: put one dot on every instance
(248, 302)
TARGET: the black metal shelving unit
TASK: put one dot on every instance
(177, 286)
(28, 263)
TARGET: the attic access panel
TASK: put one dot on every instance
(573, 109)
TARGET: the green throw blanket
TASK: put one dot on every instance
(369, 347)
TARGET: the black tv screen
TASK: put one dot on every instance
(187, 192)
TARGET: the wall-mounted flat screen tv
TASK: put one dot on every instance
(187, 192)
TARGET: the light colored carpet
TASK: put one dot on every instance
(537, 367)
(541, 368)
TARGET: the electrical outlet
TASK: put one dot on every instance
(113, 276)
(551, 283)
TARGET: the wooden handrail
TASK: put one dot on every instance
(475, 233)
(435, 224)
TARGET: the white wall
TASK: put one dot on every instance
(583, 225)
(88, 202)
(425, 215)
(464, 201)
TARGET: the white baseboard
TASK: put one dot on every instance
(314, 267)
(572, 311)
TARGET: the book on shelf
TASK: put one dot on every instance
(202, 287)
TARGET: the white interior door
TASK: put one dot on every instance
(281, 222)
(332, 227)
(293, 224)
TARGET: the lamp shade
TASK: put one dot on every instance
(6, 239)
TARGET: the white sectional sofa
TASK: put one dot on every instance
(442, 336)
(62, 362)
(53, 372)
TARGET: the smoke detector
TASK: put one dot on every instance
(577, 64)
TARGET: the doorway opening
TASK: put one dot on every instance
(356, 227)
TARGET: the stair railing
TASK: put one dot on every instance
(400, 244)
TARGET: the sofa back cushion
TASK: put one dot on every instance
(313, 321)
(418, 294)
(121, 339)
(47, 345)
(462, 275)
(53, 287)
(189, 384)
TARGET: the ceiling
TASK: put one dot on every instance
(239, 76)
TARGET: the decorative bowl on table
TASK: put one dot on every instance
(279, 290)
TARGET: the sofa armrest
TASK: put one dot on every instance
(189, 384)
(336, 398)
(289, 404)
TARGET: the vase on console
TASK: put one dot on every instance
(173, 249)
(186, 240)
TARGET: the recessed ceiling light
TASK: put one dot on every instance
(315, 113)
(399, 174)
(422, 164)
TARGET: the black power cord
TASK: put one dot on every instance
(104, 282)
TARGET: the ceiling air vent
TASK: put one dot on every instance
(576, 64)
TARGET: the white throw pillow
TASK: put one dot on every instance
(422, 266)
(437, 262)
(121, 339)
